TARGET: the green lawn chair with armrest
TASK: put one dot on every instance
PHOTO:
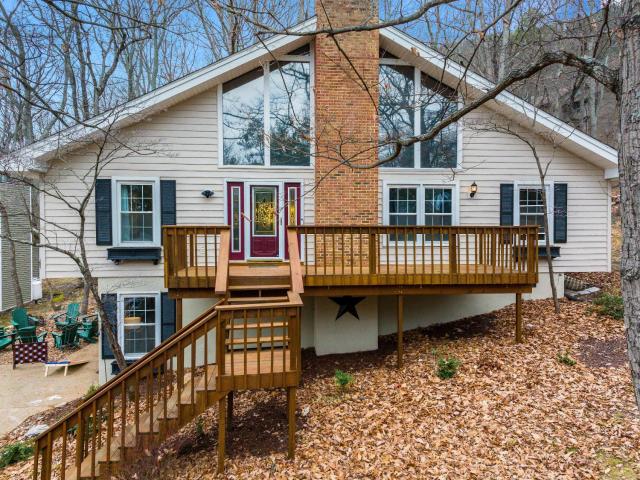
(70, 316)
(67, 337)
(6, 338)
(21, 319)
(29, 335)
(88, 329)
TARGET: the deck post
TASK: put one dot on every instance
(291, 413)
(400, 326)
(178, 314)
(222, 431)
(519, 318)
(230, 409)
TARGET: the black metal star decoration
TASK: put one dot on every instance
(347, 304)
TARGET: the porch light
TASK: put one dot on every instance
(473, 189)
(207, 193)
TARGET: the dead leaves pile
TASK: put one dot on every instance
(512, 411)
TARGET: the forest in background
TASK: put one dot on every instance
(64, 62)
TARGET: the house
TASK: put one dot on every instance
(18, 200)
(243, 232)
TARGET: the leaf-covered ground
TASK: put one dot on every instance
(512, 411)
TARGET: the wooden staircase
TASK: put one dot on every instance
(249, 340)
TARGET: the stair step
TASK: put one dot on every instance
(257, 299)
(253, 326)
(252, 340)
(262, 286)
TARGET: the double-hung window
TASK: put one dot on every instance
(139, 323)
(137, 217)
(530, 208)
(428, 205)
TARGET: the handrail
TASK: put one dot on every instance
(132, 371)
(297, 284)
(222, 273)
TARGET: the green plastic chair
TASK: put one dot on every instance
(6, 338)
(68, 337)
(29, 335)
(21, 319)
(88, 329)
(70, 316)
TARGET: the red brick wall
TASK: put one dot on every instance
(346, 118)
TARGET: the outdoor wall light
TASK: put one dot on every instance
(473, 189)
(207, 193)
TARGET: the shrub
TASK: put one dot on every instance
(15, 452)
(611, 305)
(447, 367)
(200, 427)
(93, 388)
(566, 359)
(58, 298)
(343, 380)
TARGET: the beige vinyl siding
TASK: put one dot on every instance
(185, 143)
(492, 158)
(184, 140)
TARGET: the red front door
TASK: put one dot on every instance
(264, 234)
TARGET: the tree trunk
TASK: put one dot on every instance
(11, 256)
(86, 291)
(629, 156)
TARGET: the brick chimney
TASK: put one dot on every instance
(346, 119)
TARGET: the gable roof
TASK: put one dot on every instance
(396, 41)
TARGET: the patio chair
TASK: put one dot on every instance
(70, 316)
(29, 335)
(68, 337)
(21, 319)
(6, 338)
(88, 329)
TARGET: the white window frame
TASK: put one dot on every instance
(455, 203)
(550, 202)
(267, 116)
(116, 182)
(158, 325)
(417, 87)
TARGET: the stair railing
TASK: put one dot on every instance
(133, 409)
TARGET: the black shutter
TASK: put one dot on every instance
(168, 316)
(110, 301)
(560, 213)
(168, 202)
(506, 204)
(103, 212)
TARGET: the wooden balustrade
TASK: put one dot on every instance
(417, 255)
(142, 404)
(191, 254)
(261, 344)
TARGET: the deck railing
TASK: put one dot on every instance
(417, 255)
(133, 408)
(191, 254)
(260, 346)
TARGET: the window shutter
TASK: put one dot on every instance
(168, 326)
(110, 301)
(168, 202)
(506, 204)
(103, 212)
(560, 213)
